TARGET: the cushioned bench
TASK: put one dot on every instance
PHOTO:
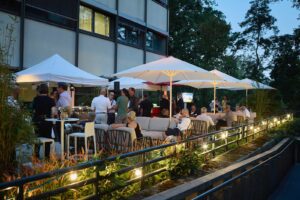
(154, 127)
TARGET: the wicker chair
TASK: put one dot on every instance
(198, 127)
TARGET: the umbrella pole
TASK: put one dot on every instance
(246, 97)
(170, 97)
(215, 97)
(142, 94)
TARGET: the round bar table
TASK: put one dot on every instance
(62, 131)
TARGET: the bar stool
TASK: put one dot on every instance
(43, 140)
(89, 131)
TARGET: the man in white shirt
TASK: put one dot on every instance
(65, 99)
(246, 112)
(182, 124)
(101, 105)
(205, 117)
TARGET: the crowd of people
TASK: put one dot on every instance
(121, 109)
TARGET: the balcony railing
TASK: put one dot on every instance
(95, 179)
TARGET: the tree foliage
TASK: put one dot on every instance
(286, 68)
(199, 34)
(258, 22)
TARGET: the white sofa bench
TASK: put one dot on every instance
(155, 127)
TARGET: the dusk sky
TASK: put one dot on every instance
(235, 11)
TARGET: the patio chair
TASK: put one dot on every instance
(198, 127)
(89, 131)
(43, 141)
(101, 136)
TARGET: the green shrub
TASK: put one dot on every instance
(186, 163)
(15, 126)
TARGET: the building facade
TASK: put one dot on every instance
(99, 36)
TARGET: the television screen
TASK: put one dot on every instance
(187, 97)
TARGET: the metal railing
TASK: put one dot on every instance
(136, 167)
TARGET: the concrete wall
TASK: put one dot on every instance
(109, 3)
(133, 8)
(152, 57)
(157, 16)
(42, 41)
(96, 55)
(13, 22)
(129, 57)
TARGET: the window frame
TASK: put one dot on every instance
(140, 36)
(93, 33)
(153, 50)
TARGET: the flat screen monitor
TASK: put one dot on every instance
(187, 97)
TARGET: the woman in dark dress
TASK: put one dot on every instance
(131, 123)
(42, 106)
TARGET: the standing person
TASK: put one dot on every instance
(133, 101)
(146, 107)
(42, 106)
(101, 105)
(179, 102)
(211, 105)
(54, 95)
(224, 102)
(111, 115)
(164, 103)
(122, 102)
(64, 99)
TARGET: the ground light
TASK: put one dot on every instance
(205, 146)
(73, 176)
(224, 135)
(138, 172)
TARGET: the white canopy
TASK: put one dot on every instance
(167, 70)
(127, 82)
(57, 69)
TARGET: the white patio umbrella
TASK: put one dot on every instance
(167, 70)
(225, 81)
(254, 85)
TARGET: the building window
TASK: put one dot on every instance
(156, 42)
(92, 21)
(129, 35)
(85, 18)
(102, 24)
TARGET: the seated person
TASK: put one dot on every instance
(131, 123)
(193, 112)
(205, 117)
(181, 125)
(227, 120)
(245, 112)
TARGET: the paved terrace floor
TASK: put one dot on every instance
(289, 188)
